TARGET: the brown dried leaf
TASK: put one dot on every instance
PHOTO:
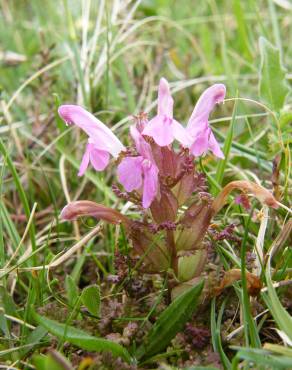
(81, 208)
(254, 284)
(262, 194)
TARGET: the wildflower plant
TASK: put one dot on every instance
(159, 174)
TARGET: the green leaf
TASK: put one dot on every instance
(170, 322)
(280, 315)
(82, 339)
(273, 87)
(90, 297)
(40, 362)
(72, 290)
(285, 120)
(190, 265)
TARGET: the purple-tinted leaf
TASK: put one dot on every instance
(149, 248)
(167, 161)
(164, 209)
(184, 188)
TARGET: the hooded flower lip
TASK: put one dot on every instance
(135, 172)
(163, 128)
(198, 125)
(81, 208)
(101, 142)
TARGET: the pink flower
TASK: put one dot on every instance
(135, 172)
(101, 142)
(98, 158)
(198, 125)
(163, 128)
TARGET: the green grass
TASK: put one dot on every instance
(108, 56)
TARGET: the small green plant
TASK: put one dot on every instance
(163, 181)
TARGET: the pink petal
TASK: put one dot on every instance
(150, 184)
(99, 159)
(200, 144)
(85, 161)
(214, 146)
(159, 128)
(180, 133)
(165, 101)
(130, 173)
(101, 135)
(206, 103)
(142, 146)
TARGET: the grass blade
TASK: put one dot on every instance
(226, 149)
(281, 316)
(21, 192)
(262, 357)
(216, 334)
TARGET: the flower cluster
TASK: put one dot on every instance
(162, 178)
(141, 172)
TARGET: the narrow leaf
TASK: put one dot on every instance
(280, 315)
(216, 333)
(20, 191)
(170, 322)
(81, 339)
